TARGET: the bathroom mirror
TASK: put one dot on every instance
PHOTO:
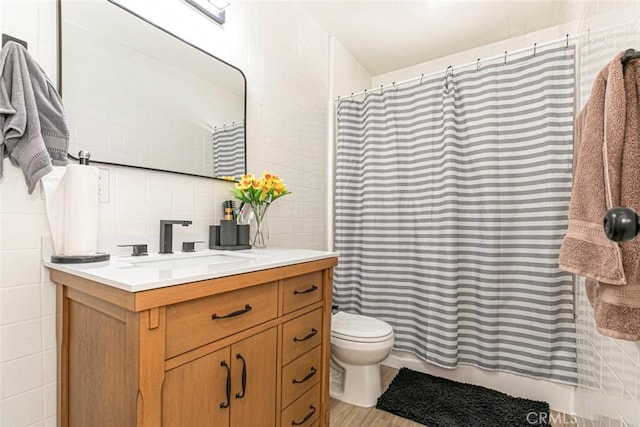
(137, 95)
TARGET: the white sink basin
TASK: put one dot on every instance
(185, 262)
(194, 260)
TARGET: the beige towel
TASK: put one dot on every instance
(607, 175)
(585, 249)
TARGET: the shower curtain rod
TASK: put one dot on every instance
(468, 64)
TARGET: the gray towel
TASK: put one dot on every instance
(34, 130)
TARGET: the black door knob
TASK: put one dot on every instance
(621, 224)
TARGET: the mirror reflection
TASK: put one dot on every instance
(137, 95)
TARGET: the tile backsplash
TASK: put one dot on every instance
(608, 373)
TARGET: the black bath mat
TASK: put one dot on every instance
(438, 402)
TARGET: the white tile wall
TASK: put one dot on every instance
(608, 369)
(608, 373)
(284, 55)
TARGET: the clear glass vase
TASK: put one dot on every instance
(259, 226)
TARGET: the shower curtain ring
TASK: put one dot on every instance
(421, 77)
(534, 49)
(478, 64)
(394, 85)
(365, 94)
(381, 89)
(446, 72)
(352, 96)
(505, 57)
(567, 40)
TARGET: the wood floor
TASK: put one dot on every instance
(345, 415)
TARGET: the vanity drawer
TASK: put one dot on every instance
(304, 411)
(300, 375)
(301, 291)
(194, 323)
(301, 335)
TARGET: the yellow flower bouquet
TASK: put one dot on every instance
(259, 193)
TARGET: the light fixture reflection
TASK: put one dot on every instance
(219, 4)
(214, 9)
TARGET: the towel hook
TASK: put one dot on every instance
(621, 224)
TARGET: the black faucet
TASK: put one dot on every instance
(166, 234)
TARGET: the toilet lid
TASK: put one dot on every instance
(352, 326)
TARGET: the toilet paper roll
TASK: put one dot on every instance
(81, 210)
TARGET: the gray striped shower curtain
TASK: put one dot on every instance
(228, 150)
(451, 203)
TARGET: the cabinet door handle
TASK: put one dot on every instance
(309, 375)
(224, 365)
(313, 332)
(306, 417)
(246, 309)
(306, 291)
(244, 376)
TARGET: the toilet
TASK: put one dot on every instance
(358, 345)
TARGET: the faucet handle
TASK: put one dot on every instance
(138, 249)
(190, 246)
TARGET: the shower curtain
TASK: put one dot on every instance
(451, 203)
(228, 150)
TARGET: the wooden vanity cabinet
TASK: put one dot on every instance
(195, 394)
(245, 350)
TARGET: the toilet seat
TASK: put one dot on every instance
(357, 328)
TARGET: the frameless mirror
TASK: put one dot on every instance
(137, 95)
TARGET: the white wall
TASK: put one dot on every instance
(346, 75)
(471, 55)
(285, 57)
(27, 300)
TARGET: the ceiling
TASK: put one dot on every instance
(386, 35)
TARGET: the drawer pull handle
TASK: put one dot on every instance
(224, 365)
(306, 417)
(306, 291)
(246, 309)
(309, 375)
(313, 332)
(244, 376)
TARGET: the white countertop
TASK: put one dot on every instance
(154, 271)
